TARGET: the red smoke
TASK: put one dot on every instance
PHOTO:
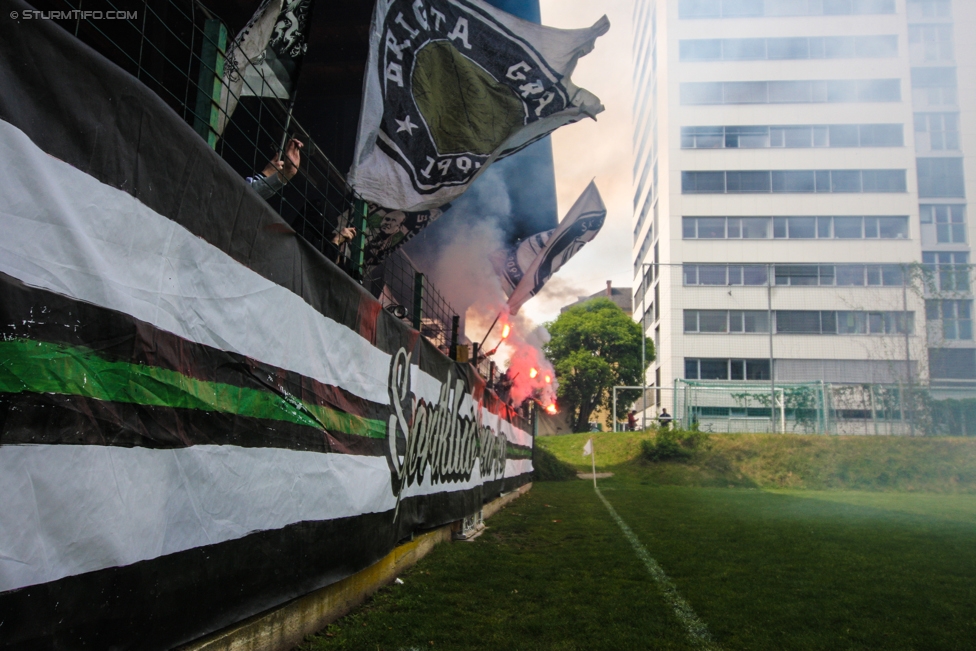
(527, 366)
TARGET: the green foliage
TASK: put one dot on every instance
(953, 417)
(594, 347)
(548, 467)
(674, 445)
(801, 404)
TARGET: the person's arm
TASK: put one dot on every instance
(266, 186)
(343, 235)
(278, 172)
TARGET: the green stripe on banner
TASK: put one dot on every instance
(41, 367)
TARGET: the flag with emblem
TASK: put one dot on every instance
(526, 267)
(265, 57)
(453, 85)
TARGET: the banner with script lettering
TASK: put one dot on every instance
(198, 411)
(451, 86)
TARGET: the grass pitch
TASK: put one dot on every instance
(762, 568)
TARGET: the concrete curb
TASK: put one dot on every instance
(284, 627)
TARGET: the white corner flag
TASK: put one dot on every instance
(588, 452)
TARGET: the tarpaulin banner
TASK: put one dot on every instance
(200, 416)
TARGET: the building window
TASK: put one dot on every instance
(798, 181)
(840, 275)
(937, 131)
(940, 177)
(790, 92)
(956, 317)
(843, 322)
(949, 220)
(934, 86)
(645, 245)
(798, 137)
(929, 8)
(931, 42)
(947, 271)
(724, 275)
(688, 9)
(941, 77)
(802, 47)
(952, 363)
(726, 321)
(726, 369)
(797, 228)
(645, 211)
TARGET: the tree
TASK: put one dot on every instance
(594, 347)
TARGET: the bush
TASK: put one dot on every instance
(673, 445)
(546, 467)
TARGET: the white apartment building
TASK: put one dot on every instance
(791, 156)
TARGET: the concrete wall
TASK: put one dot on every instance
(285, 627)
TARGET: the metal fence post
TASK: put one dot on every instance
(908, 355)
(418, 299)
(360, 210)
(210, 80)
(455, 324)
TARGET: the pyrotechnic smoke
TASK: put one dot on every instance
(464, 275)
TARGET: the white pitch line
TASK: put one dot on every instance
(696, 628)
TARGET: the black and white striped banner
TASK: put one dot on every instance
(200, 417)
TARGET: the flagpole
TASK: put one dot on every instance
(490, 328)
(284, 135)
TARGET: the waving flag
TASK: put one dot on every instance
(264, 59)
(451, 86)
(527, 266)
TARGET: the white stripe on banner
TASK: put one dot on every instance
(65, 231)
(111, 506)
(69, 509)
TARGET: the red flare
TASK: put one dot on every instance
(551, 408)
(548, 379)
(506, 330)
(533, 373)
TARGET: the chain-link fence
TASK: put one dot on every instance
(178, 49)
(853, 348)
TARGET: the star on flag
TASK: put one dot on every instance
(406, 125)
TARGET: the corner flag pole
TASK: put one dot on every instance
(593, 461)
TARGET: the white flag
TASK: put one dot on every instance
(526, 267)
(453, 85)
(265, 57)
(248, 47)
(588, 448)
